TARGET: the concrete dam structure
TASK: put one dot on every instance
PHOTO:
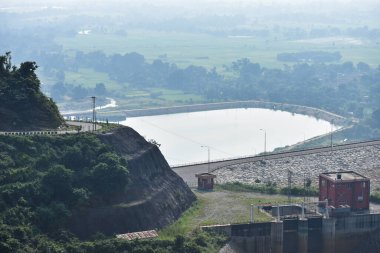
(302, 235)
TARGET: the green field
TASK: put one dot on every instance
(88, 78)
(209, 51)
(133, 98)
(186, 49)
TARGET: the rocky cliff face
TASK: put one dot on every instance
(155, 197)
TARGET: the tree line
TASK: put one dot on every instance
(344, 88)
(43, 179)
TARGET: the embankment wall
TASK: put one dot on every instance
(311, 235)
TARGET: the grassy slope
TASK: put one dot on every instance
(222, 207)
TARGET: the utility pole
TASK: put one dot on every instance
(331, 134)
(252, 210)
(289, 186)
(304, 186)
(208, 157)
(265, 140)
(93, 114)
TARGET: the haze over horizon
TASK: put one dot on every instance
(201, 6)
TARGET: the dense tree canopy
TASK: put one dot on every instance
(23, 105)
(43, 179)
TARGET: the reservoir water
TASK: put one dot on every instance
(228, 133)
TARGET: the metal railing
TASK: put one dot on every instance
(29, 133)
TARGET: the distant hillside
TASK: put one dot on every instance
(22, 104)
(56, 189)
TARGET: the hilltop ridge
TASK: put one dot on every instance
(23, 105)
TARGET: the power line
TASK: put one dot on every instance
(184, 137)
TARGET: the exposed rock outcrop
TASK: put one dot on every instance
(155, 197)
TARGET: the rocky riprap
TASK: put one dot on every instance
(363, 160)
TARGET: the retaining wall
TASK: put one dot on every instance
(311, 235)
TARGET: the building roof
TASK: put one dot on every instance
(205, 175)
(138, 235)
(343, 176)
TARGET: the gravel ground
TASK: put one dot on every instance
(364, 160)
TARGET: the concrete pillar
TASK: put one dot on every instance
(303, 233)
(252, 210)
(328, 235)
(277, 236)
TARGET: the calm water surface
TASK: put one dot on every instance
(229, 133)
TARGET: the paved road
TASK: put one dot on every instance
(188, 172)
(85, 126)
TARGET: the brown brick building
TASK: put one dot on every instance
(345, 188)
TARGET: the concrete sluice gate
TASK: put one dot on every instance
(310, 235)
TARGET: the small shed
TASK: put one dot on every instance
(205, 181)
(345, 188)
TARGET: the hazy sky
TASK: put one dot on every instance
(194, 3)
(353, 12)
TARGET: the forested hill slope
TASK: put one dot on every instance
(57, 189)
(22, 104)
(155, 196)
